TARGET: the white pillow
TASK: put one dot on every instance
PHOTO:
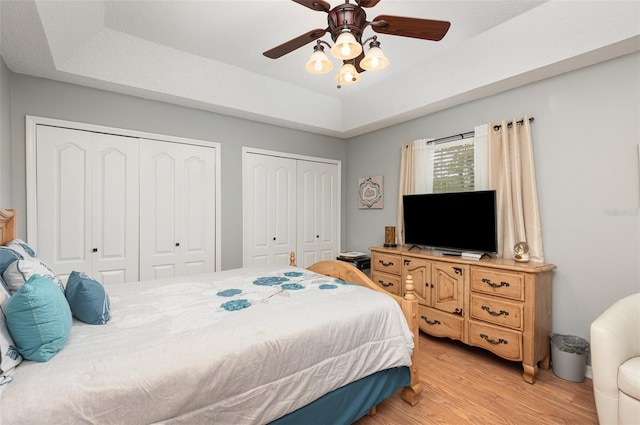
(21, 247)
(20, 271)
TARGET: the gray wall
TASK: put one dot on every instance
(5, 135)
(50, 99)
(586, 134)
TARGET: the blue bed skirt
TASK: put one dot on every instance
(351, 402)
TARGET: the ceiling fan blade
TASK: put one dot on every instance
(318, 5)
(367, 3)
(425, 29)
(294, 44)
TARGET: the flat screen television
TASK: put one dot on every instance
(456, 221)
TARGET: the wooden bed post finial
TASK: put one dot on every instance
(292, 259)
(408, 289)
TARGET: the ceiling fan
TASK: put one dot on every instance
(347, 22)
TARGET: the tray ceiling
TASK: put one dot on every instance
(208, 54)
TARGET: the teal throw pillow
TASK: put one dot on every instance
(7, 256)
(88, 299)
(39, 319)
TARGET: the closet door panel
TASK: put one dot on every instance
(115, 208)
(307, 231)
(87, 203)
(317, 212)
(198, 209)
(269, 205)
(64, 199)
(159, 213)
(258, 219)
(284, 212)
(329, 212)
(177, 209)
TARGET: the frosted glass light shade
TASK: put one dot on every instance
(346, 47)
(374, 60)
(348, 74)
(319, 63)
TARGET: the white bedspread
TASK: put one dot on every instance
(176, 351)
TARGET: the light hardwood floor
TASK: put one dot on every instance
(469, 385)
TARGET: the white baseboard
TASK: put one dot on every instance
(588, 373)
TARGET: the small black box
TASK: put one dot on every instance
(361, 263)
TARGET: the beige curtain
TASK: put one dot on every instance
(406, 185)
(414, 175)
(512, 175)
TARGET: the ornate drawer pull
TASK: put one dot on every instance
(496, 285)
(430, 322)
(495, 313)
(385, 284)
(493, 341)
(390, 263)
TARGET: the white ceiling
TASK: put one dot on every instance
(208, 54)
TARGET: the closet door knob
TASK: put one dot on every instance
(177, 243)
(95, 250)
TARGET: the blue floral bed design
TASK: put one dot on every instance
(280, 284)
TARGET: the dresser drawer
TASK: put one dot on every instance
(497, 310)
(438, 323)
(503, 342)
(388, 263)
(389, 282)
(503, 284)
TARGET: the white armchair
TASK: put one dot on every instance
(615, 362)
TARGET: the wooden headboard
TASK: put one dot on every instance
(7, 225)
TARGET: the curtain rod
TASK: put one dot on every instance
(452, 138)
(468, 134)
(497, 127)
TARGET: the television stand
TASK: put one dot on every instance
(500, 305)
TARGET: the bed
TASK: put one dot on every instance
(281, 345)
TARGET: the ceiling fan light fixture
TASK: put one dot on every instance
(319, 63)
(346, 47)
(375, 58)
(347, 75)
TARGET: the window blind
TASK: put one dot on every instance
(453, 168)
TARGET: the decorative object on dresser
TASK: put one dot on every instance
(521, 252)
(499, 305)
(390, 236)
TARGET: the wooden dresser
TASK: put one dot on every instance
(500, 305)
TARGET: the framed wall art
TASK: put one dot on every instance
(370, 192)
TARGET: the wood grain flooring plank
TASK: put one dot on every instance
(469, 385)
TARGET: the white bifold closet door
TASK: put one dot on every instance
(290, 205)
(177, 209)
(87, 197)
(318, 212)
(270, 210)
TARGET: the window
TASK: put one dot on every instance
(454, 168)
(458, 166)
